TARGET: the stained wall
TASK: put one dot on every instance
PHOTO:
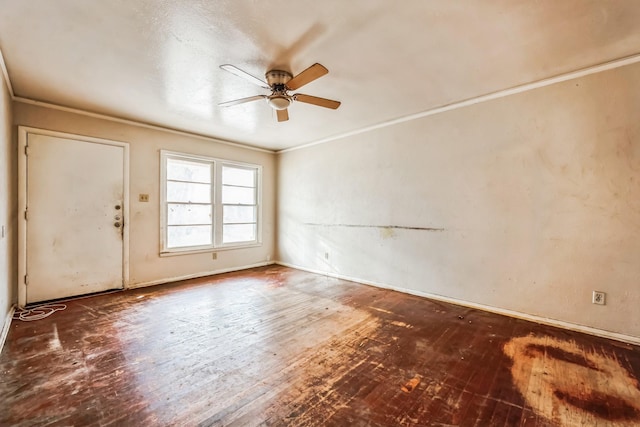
(526, 203)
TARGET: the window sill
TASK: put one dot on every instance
(208, 250)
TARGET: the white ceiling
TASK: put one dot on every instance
(157, 61)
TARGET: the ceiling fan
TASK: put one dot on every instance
(280, 83)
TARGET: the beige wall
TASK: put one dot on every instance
(8, 204)
(537, 196)
(145, 264)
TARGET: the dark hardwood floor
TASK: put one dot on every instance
(277, 346)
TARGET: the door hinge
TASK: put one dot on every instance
(26, 279)
(26, 150)
(26, 214)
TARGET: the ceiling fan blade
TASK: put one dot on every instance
(307, 76)
(243, 74)
(241, 101)
(283, 115)
(321, 102)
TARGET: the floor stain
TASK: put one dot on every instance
(570, 385)
(411, 384)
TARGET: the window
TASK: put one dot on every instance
(208, 203)
(189, 203)
(239, 204)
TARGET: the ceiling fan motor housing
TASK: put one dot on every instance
(277, 80)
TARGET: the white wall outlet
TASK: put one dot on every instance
(598, 297)
(326, 255)
(143, 197)
(214, 255)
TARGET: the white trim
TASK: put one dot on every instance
(505, 312)
(6, 325)
(209, 250)
(617, 63)
(197, 275)
(138, 124)
(216, 203)
(257, 169)
(5, 73)
(126, 224)
(23, 132)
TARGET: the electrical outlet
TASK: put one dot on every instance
(326, 255)
(214, 255)
(598, 297)
(143, 197)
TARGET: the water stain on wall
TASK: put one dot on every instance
(387, 232)
(571, 386)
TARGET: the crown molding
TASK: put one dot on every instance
(5, 73)
(594, 69)
(137, 123)
(572, 75)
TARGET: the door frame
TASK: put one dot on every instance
(23, 133)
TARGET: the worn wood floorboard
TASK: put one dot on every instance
(275, 346)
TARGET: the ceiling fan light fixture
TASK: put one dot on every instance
(279, 102)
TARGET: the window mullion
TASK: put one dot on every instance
(217, 198)
(214, 203)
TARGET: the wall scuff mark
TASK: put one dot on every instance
(392, 227)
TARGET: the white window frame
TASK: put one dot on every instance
(220, 224)
(216, 198)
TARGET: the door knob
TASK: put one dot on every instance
(117, 207)
(116, 224)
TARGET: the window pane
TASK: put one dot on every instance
(188, 214)
(188, 192)
(238, 176)
(235, 233)
(184, 170)
(236, 214)
(238, 195)
(182, 236)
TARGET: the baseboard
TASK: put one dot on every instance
(511, 313)
(6, 325)
(197, 275)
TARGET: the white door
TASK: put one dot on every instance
(74, 227)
